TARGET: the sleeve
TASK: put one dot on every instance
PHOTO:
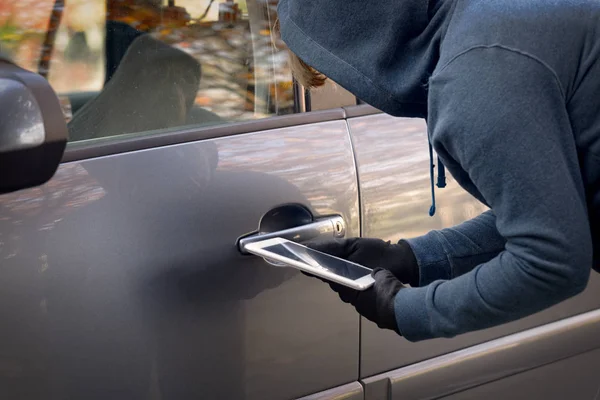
(501, 116)
(452, 252)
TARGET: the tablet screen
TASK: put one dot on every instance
(316, 259)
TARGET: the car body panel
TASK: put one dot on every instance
(393, 167)
(492, 361)
(573, 378)
(121, 278)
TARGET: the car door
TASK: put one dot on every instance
(395, 195)
(120, 277)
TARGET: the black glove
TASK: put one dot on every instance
(377, 302)
(398, 258)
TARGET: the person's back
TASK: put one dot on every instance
(511, 94)
(564, 37)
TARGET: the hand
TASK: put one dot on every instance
(377, 302)
(398, 258)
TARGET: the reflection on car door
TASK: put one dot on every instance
(393, 161)
(121, 276)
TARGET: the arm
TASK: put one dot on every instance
(452, 252)
(501, 116)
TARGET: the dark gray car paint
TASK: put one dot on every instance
(115, 145)
(145, 140)
(120, 277)
(550, 382)
(494, 360)
(392, 161)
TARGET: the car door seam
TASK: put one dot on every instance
(360, 231)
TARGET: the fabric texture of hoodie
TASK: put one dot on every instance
(511, 94)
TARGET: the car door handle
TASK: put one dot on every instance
(327, 228)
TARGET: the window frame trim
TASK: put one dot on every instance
(110, 145)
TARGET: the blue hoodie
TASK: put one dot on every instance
(511, 94)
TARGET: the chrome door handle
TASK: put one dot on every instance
(331, 228)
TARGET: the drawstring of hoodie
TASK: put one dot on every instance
(441, 181)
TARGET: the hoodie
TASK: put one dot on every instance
(511, 95)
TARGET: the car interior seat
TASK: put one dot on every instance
(154, 87)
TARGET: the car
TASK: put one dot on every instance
(121, 276)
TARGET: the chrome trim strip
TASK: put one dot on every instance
(495, 359)
(299, 98)
(351, 391)
(330, 228)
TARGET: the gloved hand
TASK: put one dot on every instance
(391, 264)
(377, 302)
(398, 258)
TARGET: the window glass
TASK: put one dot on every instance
(134, 66)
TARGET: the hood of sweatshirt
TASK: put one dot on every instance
(383, 52)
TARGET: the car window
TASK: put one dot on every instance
(330, 95)
(138, 66)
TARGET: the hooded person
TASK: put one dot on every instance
(510, 94)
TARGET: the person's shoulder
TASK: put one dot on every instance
(548, 30)
(494, 16)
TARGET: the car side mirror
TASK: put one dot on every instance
(33, 130)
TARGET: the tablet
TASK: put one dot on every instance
(314, 262)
